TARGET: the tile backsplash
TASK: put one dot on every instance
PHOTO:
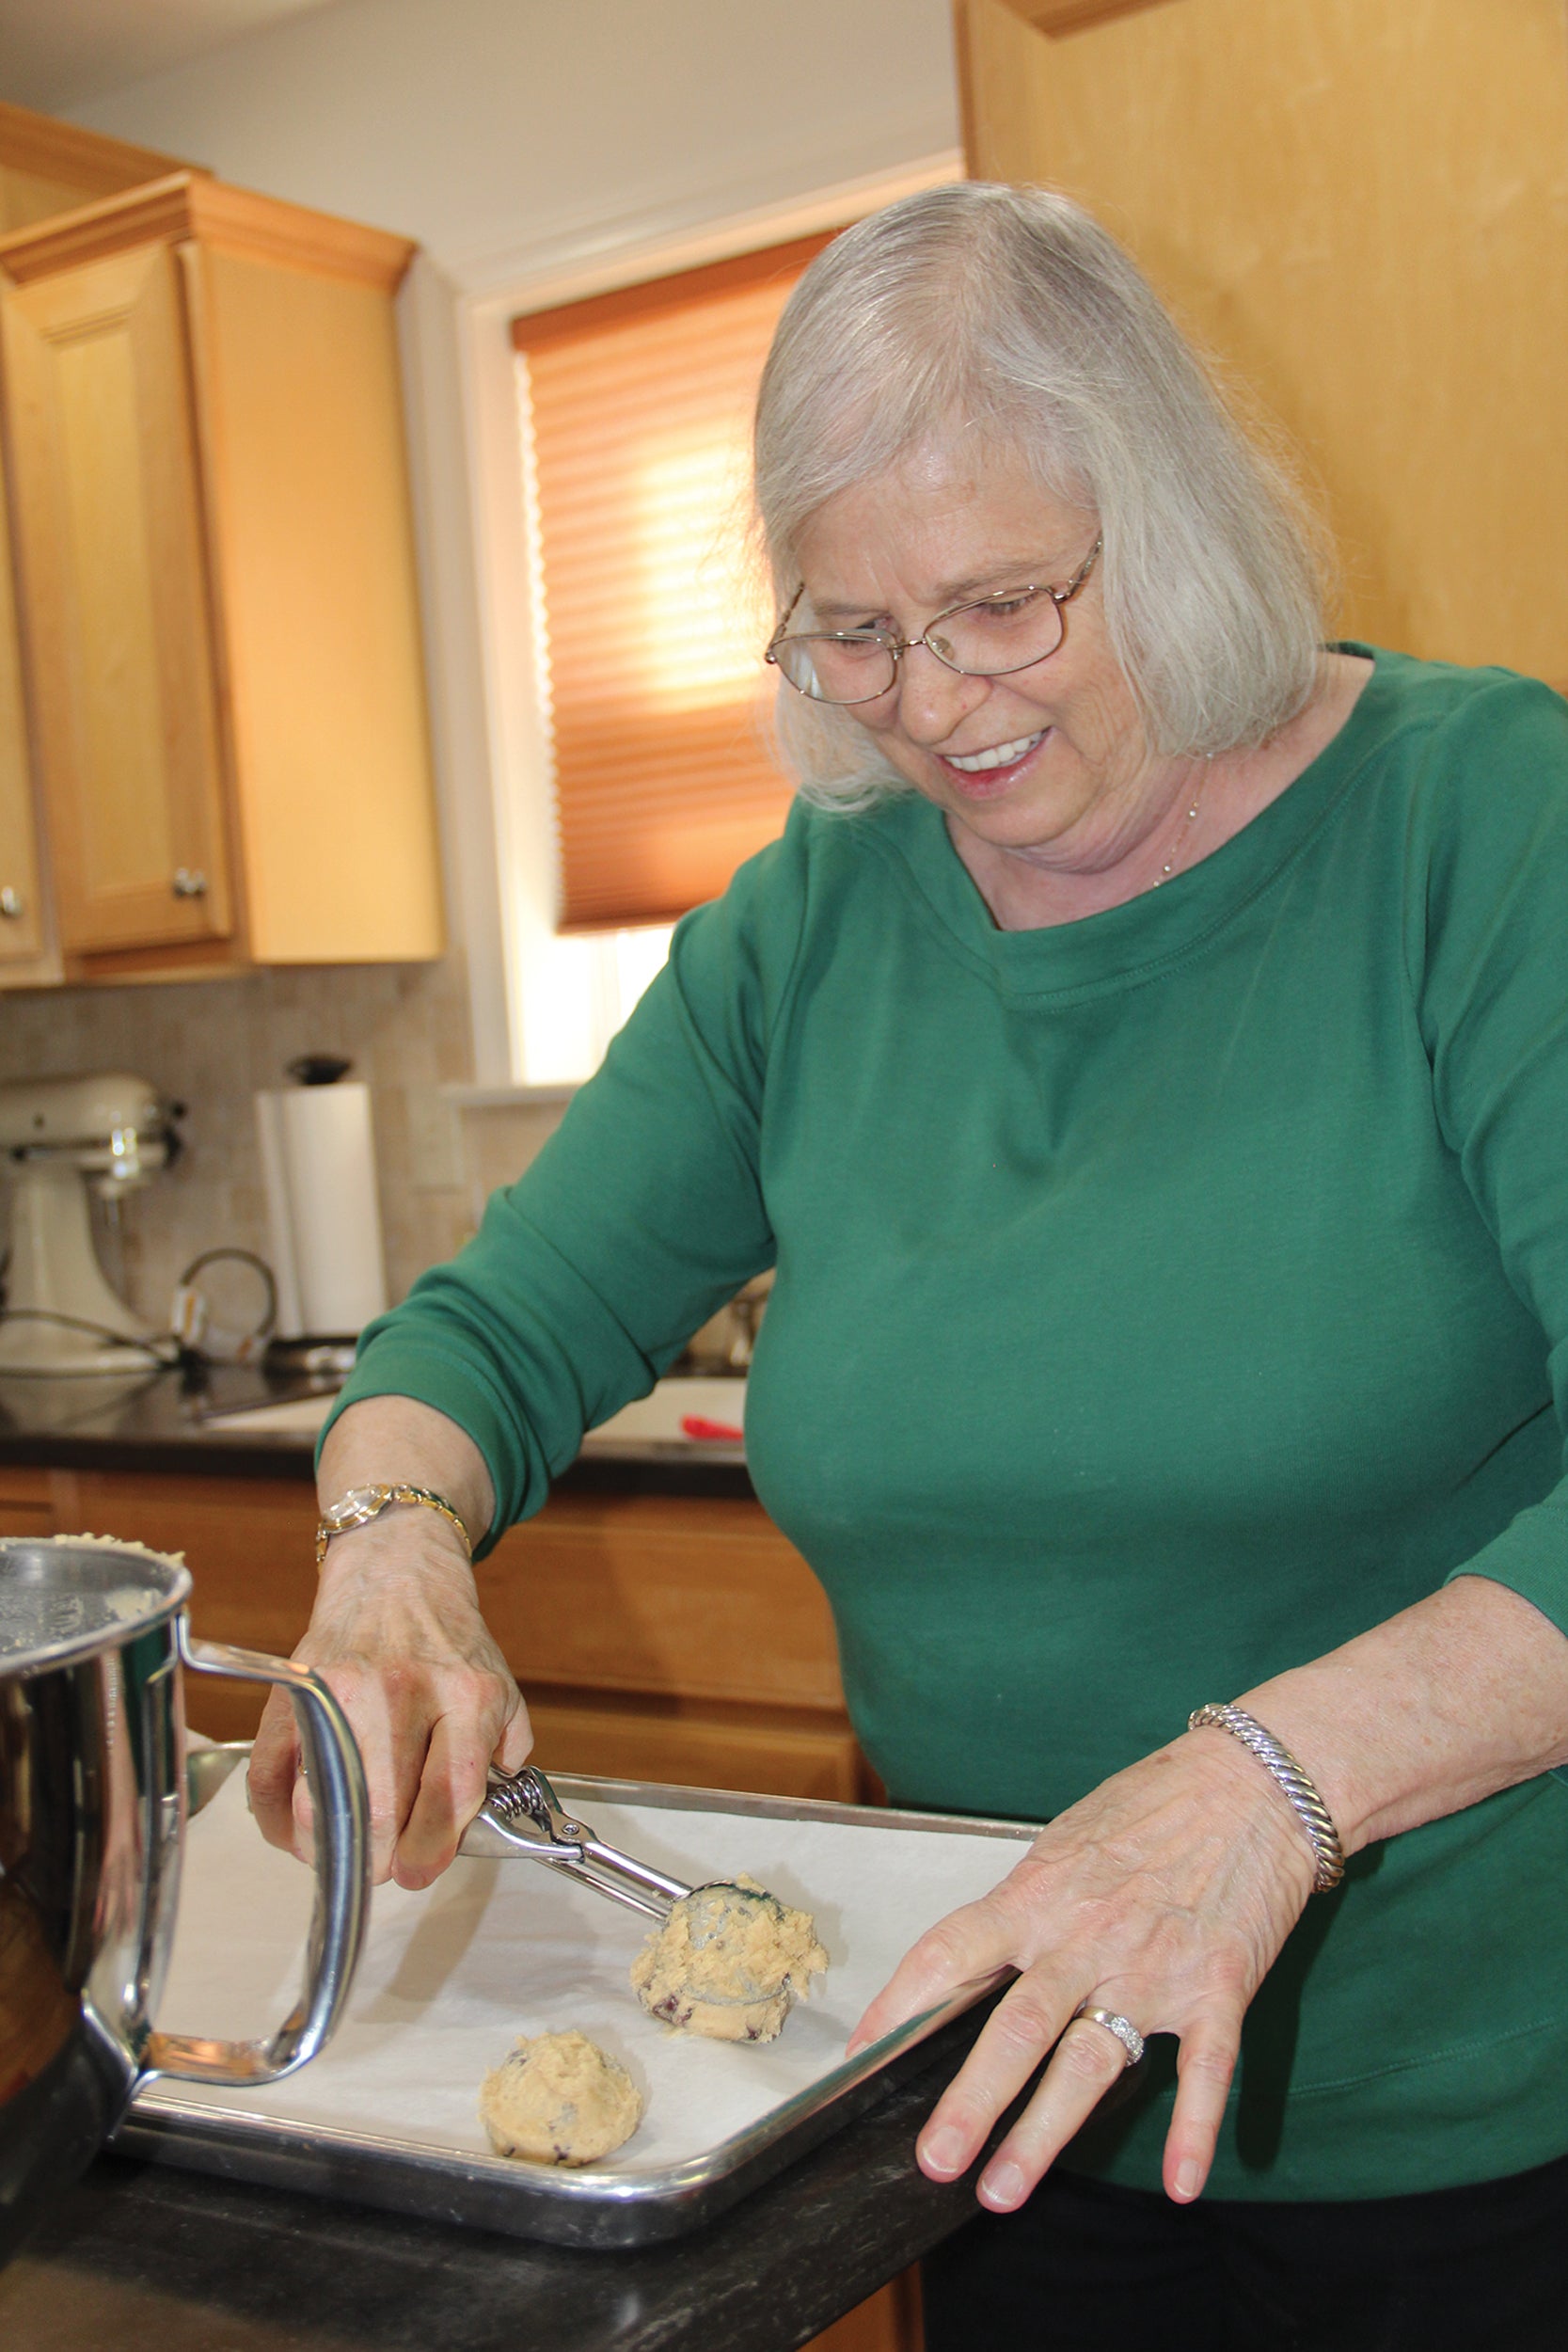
(211, 1044)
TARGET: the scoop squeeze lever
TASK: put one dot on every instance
(522, 1816)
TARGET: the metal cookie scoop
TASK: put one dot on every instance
(522, 1815)
(713, 1916)
(705, 1981)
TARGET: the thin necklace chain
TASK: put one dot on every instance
(1182, 841)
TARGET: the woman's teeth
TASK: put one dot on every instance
(1001, 755)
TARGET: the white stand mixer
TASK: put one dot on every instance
(58, 1137)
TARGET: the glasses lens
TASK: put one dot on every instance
(1004, 634)
(836, 668)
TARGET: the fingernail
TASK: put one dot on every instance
(1002, 2186)
(943, 2152)
(1189, 2177)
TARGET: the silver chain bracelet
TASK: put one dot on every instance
(1313, 1815)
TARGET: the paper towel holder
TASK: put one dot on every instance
(317, 1154)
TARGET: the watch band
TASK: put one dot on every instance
(361, 1505)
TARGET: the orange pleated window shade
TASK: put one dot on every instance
(639, 409)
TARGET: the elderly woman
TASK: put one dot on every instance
(1145, 1060)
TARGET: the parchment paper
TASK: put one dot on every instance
(451, 1976)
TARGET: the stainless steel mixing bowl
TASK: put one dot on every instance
(93, 1638)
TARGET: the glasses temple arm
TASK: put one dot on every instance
(784, 619)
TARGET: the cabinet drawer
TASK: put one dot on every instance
(696, 1750)
(656, 1592)
(26, 1518)
(26, 1502)
(20, 1483)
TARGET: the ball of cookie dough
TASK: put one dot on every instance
(559, 2099)
(729, 1962)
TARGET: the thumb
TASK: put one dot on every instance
(515, 1744)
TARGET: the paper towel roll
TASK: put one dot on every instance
(318, 1164)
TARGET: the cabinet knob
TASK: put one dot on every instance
(13, 906)
(189, 883)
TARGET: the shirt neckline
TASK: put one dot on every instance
(1127, 945)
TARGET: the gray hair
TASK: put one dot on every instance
(1009, 312)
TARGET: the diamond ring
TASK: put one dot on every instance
(1125, 2032)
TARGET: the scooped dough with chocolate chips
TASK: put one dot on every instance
(559, 2099)
(729, 1962)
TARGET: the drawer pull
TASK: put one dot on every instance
(13, 906)
(189, 883)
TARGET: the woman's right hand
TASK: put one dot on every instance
(397, 1635)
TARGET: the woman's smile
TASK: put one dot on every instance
(981, 774)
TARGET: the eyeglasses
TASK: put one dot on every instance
(991, 638)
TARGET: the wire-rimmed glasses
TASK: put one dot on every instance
(991, 637)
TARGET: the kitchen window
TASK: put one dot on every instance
(544, 1000)
(648, 609)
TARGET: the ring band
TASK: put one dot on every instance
(1125, 2032)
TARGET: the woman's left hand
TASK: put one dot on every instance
(1164, 1895)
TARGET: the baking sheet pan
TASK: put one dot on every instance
(451, 1976)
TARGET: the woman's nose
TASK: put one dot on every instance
(933, 699)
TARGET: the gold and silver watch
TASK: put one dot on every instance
(361, 1505)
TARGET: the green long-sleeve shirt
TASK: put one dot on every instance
(1161, 1299)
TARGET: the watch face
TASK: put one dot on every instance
(360, 1503)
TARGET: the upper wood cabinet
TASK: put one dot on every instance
(45, 167)
(216, 582)
(109, 503)
(1359, 206)
(24, 941)
(48, 166)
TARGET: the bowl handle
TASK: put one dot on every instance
(342, 1865)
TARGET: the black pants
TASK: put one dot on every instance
(1085, 2267)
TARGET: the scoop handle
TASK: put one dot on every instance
(343, 1867)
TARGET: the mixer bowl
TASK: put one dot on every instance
(93, 1639)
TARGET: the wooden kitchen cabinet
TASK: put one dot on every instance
(24, 932)
(27, 1503)
(46, 167)
(49, 167)
(217, 584)
(109, 501)
(674, 1640)
(1358, 206)
(660, 1637)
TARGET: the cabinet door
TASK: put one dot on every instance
(114, 582)
(21, 931)
(1359, 206)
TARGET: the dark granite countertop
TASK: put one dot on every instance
(149, 2260)
(171, 1422)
